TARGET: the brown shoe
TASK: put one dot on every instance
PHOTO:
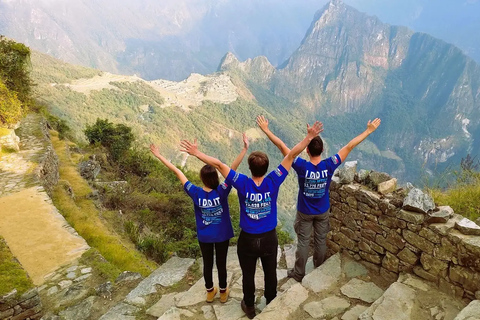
(224, 295)
(211, 295)
(249, 311)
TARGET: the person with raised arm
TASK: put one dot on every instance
(313, 204)
(258, 213)
(212, 216)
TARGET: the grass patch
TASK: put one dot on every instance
(464, 199)
(82, 215)
(4, 131)
(103, 268)
(12, 275)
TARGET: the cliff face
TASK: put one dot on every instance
(344, 57)
(352, 67)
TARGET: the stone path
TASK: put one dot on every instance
(16, 169)
(340, 289)
(38, 236)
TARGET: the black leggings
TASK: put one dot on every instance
(251, 247)
(221, 250)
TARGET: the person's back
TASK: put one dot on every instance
(313, 206)
(258, 214)
(313, 184)
(212, 212)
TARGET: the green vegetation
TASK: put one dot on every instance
(11, 109)
(464, 194)
(15, 83)
(117, 139)
(82, 215)
(12, 275)
(52, 70)
(14, 70)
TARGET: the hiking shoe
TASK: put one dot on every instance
(211, 295)
(224, 295)
(249, 311)
(291, 274)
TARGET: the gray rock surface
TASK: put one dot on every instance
(165, 303)
(230, 310)
(81, 311)
(168, 274)
(175, 314)
(375, 178)
(441, 216)
(396, 303)
(354, 269)
(354, 313)
(285, 304)
(388, 186)
(128, 276)
(347, 172)
(327, 308)
(325, 276)
(471, 312)
(121, 311)
(104, 290)
(362, 175)
(468, 227)
(359, 289)
(418, 201)
(89, 169)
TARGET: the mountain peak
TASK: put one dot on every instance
(229, 61)
(335, 3)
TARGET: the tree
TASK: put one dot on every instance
(14, 68)
(116, 138)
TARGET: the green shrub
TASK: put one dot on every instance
(14, 68)
(59, 125)
(11, 110)
(116, 138)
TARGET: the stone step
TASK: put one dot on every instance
(413, 298)
(340, 289)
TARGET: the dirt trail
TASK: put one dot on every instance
(38, 236)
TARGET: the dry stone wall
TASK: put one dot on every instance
(47, 169)
(386, 233)
(28, 306)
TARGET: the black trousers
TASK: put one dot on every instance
(250, 248)
(221, 250)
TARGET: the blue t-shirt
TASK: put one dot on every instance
(258, 204)
(211, 212)
(313, 182)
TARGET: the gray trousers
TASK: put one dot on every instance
(304, 224)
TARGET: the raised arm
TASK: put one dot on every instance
(168, 164)
(312, 132)
(371, 126)
(262, 123)
(242, 153)
(192, 149)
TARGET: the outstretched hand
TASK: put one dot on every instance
(262, 122)
(314, 130)
(373, 125)
(189, 147)
(154, 149)
(246, 143)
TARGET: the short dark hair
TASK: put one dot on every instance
(315, 147)
(258, 163)
(209, 176)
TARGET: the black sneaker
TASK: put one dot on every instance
(291, 274)
(249, 311)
